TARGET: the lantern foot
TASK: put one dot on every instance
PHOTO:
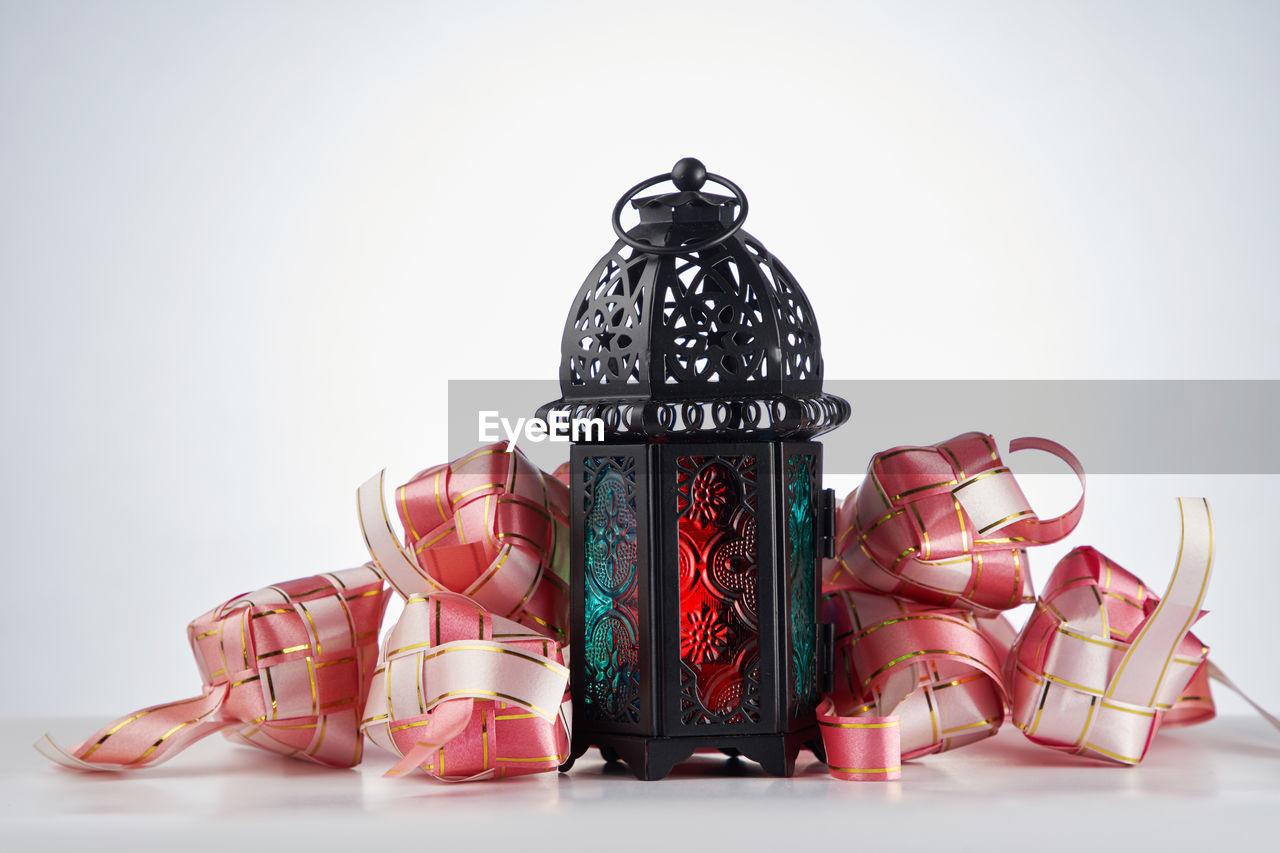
(651, 759)
(816, 747)
(648, 759)
(654, 758)
(776, 754)
(577, 748)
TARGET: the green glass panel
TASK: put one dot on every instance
(801, 570)
(611, 617)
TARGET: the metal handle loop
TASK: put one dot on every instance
(738, 194)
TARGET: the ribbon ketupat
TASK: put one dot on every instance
(924, 660)
(1098, 667)
(946, 525)
(489, 525)
(471, 683)
(930, 548)
(464, 695)
(1102, 660)
(909, 680)
(286, 669)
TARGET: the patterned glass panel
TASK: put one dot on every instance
(719, 598)
(801, 566)
(611, 612)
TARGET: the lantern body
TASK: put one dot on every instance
(695, 602)
(699, 521)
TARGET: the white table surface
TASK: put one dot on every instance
(1210, 787)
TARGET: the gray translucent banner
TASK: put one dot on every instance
(1113, 426)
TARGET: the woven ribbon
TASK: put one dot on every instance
(946, 525)
(1103, 662)
(931, 547)
(464, 695)
(490, 526)
(471, 680)
(285, 669)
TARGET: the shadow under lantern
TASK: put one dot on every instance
(699, 521)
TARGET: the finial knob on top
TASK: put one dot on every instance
(688, 174)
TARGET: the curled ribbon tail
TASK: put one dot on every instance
(443, 724)
(1144, 667)
(1045, 531)
(145, 738)
(393, 564)
(1213, 671)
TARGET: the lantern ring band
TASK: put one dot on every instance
(689, 249)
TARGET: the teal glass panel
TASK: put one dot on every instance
(611, 612)
(802, 566)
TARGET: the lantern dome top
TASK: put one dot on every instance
(688, 328)
(689, 203)
(684, 198)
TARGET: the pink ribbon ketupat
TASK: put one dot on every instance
(286, 669)
(931, 547)
(489, 525)
(471, 682)
(1102, 659)
(463, 695)
(946, 525)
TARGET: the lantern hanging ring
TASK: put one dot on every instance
(688, 174)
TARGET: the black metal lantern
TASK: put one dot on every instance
(699, 520)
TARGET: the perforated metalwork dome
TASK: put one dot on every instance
(690, 328)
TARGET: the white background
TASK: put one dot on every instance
(243, 247)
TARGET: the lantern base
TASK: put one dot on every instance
(651, 758)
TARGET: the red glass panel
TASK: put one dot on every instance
(719, 597)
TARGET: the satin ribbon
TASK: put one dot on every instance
(1102, 659)
(936, 671)
(490, 526)
(861, 748)
(1099, 666)
(924, 661)
(946, 525)
(286, 669)
(464, 695)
